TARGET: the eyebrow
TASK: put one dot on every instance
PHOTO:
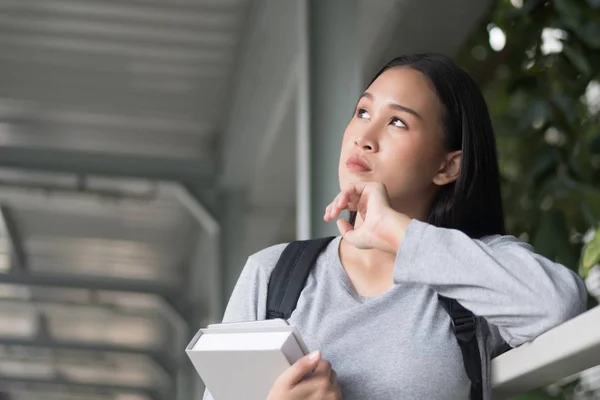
(395, 106)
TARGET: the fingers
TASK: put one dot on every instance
(322, 383)
(299, 369)
(344, 226)
(333, 378)
(347, 199)
(334, 208)
(323, 368)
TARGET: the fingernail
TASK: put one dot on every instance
(314, 355)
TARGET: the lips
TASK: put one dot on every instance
(357, 164)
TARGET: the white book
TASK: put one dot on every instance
(242, 360)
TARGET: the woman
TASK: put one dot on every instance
(418, 171)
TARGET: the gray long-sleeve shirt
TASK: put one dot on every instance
(400, 345)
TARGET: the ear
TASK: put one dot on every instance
(450, 169)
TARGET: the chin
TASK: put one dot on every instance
(349, 179)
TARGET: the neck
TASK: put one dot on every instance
(416, 208)
(372, 258)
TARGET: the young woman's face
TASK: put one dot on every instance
(396, 137)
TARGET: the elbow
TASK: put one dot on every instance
(551, 308)
(567, 302)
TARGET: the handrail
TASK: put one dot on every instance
(563, 351)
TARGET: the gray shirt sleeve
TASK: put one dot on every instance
(249, 297)
(499, 278)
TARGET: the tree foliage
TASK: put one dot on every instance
(544, 98)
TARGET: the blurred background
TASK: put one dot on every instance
(147, 147)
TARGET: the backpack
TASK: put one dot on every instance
(289, 277)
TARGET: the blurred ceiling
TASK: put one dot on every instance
(135, 77)
(101, 103)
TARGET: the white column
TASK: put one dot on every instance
(233, 238)
(330, 83)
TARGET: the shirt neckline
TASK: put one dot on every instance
(340, 271)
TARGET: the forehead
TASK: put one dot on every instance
(405, 86)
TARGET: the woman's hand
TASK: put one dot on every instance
(294, 384)
(382, 228)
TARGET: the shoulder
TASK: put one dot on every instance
(505, 241)
(265, 260)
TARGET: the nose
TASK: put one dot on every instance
(367, 142)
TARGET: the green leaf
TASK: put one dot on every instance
(590, 33)
(595, 145)
(588, 213)
(566, 105)
(577, 59)
(589, 193)
(552, 240)
(544, 162)
(536, 115)
(514, 13)
(568, 12)
(576, 167)
(550, 186)
(594, 3)
(591, 253)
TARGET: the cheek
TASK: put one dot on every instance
(414, 158)
(407, 150)
(349, 131)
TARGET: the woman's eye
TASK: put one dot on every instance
(362, 113)
(398, 123)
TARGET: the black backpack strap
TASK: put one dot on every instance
(289, 276)
(463, 323)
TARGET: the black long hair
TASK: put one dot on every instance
(472, 204)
